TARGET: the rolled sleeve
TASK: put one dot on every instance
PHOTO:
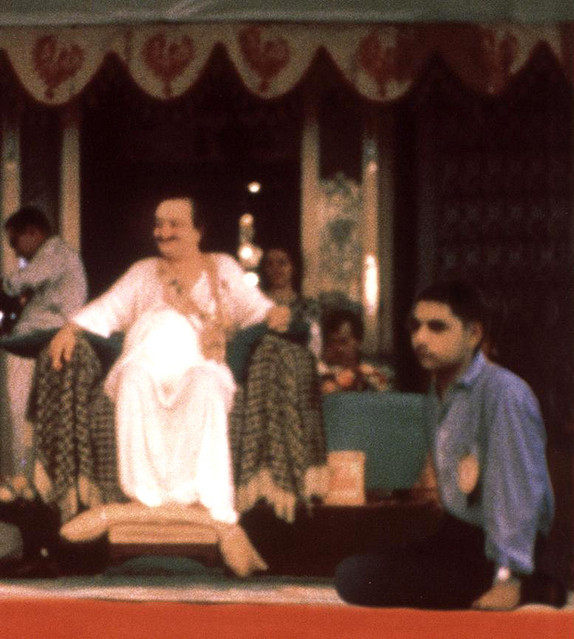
(113, 311)
(515, 483)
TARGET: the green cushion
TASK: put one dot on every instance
(238, 350)
(27, 344)
(30, 344)
(387, 426)
(240, 347)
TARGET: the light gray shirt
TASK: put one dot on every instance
(56, 281)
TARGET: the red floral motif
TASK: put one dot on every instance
(167, 60)
(379, 62)
(56, 64)
(500, 57)
(265, 57)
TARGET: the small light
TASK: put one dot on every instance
(246, 253)
(246, 221)
(251, 278)
(371, 284)
(254, 187)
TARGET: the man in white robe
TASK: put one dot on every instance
(171, 387)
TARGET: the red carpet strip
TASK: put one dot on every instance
(83, 619)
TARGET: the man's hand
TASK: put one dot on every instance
(278, 318)
(62, 345)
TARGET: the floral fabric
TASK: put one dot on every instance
(364, 377)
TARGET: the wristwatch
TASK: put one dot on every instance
(502, 574)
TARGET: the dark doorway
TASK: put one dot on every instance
(209, 144)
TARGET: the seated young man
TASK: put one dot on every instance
(487, 442)
(342, 366)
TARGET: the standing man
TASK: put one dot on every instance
(487, 441)
(51, 284)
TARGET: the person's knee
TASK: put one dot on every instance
(11, 543)
(351, 579)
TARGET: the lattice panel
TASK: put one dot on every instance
(498, 176)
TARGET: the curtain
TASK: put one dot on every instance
(381, 61)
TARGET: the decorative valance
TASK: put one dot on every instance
(381, 61)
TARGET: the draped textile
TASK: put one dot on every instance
(277, 438)
(74, 428)
(380, 60)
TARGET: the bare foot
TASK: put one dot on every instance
(504, 595)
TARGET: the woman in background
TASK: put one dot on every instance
(281, 276)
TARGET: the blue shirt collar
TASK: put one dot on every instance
(473, 371)
(471, 374)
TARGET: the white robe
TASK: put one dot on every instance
(171, 402)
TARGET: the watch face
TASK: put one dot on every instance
(503, 574)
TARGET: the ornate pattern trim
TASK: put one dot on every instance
(381, 61)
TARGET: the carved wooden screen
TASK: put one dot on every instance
(493, 203)
(495, 189)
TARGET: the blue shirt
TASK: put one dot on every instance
(493, 414)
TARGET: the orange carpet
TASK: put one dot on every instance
(83, 619)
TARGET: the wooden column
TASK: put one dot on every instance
(10, 176)
(69, 222)
(310, 194)
(370, 231)
(386, 228)
(377, 230)
(10, 198)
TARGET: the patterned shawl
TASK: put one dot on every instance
(74, 429)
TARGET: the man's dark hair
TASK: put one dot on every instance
(465, 300)
(28, 216)
(334, 319)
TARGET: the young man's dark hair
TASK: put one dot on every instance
(334, 319)
(466, 301)
(28, 216)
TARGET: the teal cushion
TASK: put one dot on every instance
(387, 426)
(238, 350)
(30, 344)
(241, 345)
(27, 344)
